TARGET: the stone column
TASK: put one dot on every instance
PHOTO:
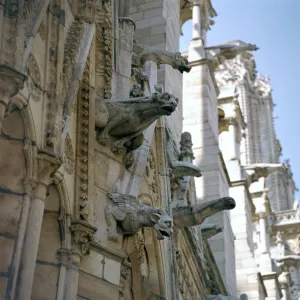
(72, 277)
(232, 138)
(284, 290)
(82, 236)
(63, 255)
(11, 81)
(263, 233)
(47, 166)
(196, 19)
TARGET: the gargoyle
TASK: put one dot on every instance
(231, 49)
(127, 119)
(218, 54)
(143, 53)
(187, 216)
(256, 171)
(132, 216)
(222, 297)
(209, 231)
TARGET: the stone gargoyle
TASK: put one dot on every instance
(222, 297)
(209, 231)
(256, 171)
(125, 120)
(230, 50)
(133, 216)
(143, 53)
(187, 216)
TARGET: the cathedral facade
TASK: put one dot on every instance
(131, 171)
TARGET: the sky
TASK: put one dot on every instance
(274, 26)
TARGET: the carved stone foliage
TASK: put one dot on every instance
(69, 156)
(144, 53)
(42, 31)
(34, 81)
(83, 144)
(139, 78)
(104, 39)
(82, 236)
(133, 216)
(127, 119)
(151, 179)
(52, 78)
(71, 49)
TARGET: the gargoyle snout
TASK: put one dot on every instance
(185, 68)
(228, 203)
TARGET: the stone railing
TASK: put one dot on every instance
(287, 217)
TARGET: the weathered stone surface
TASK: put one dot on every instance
(45, 282)
(91, 287)
(50, 238)
(3, 285)
(6, 252)
(12, 162)
(10, 208)
(13, 126)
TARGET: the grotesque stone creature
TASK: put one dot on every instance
(132, 216)
(195, 215)
(209, 231)
(231, 49)
(145, 53)
(127, 119)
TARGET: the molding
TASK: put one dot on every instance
(108, 252)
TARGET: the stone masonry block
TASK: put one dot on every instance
(152, 13)
(6, 253)
(10, 207)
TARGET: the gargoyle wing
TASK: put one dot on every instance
(126, 203)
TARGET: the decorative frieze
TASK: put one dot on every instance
(83, 144)
(34, 82)
(69, 156)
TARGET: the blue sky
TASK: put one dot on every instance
(274, 26)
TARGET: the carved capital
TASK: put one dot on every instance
(64, 256)
(86, 10)
(48, 163)
(82, 236)
(11, 81)
(30, 185)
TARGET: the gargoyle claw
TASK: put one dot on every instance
(102, 139)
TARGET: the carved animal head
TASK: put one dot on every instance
(167, 103)
(252, 47)
(227, 203)
(180, 63)
(162, 224)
